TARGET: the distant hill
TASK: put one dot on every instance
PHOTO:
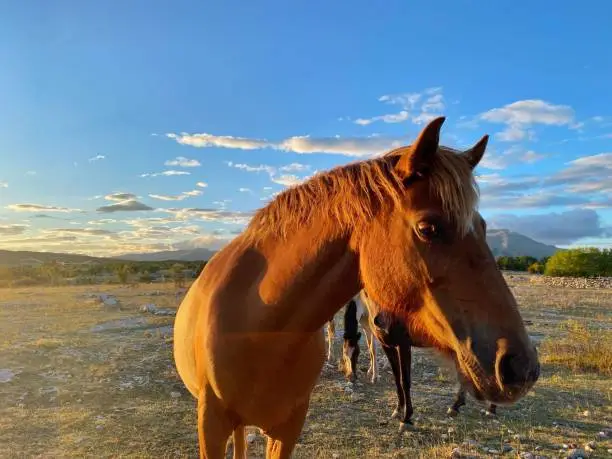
(174, 255)
(13, 258)
(508, 243)
(501, 241)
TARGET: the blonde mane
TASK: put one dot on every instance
(352, 194)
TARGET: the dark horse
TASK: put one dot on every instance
(396, 343)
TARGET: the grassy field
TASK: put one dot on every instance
(81, 379)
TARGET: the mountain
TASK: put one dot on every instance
(501, 241)
(13, 258)
(508, 243)
(174, 255)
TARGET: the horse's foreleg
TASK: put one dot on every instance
(405, 362)
(214, 426)
(373, 370)
(492, 410)
(282, 439)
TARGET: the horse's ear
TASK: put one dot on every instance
(474, 154)
(418, 155)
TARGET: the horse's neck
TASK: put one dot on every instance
(308, 279)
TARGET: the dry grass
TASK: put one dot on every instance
(582, 348)
(92, 381)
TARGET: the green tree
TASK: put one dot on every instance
(176, 271)
(585, 262)
(123, 272)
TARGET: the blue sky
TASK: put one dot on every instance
(141, 126)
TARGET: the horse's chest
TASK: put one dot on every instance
(270, 375)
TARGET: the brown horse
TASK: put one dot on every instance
(248, 336)
(397, 345)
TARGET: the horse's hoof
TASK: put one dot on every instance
(487, 413)
(406, 427)
(452, 412)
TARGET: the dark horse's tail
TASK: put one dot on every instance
(350, 348)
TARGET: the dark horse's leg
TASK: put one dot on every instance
(350, 347)
(405, 358)
(460, 401)
(393, 355)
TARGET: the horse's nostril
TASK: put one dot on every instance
(513, 370)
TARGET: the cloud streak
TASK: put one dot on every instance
(181, 161)
(12, 230)
(168, 173)
(280, 179)
(180, 197)
(346, 146)
(39, 208)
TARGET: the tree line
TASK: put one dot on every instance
(120, 272)
(581, 262)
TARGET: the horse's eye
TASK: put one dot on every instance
(428, 230)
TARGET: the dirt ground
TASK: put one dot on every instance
(80, 378)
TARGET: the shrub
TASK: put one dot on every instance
(587, 262)
(536, 268)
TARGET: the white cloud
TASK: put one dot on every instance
(245, 167)
(3, 185)
(212, 215)
(347, 146)
(166, 197)
(209, 140)
(513, 133)
(294, 167)
(96, 158)
(202, 184)
(39, 208)
(588, 173)
(180, 197)
(31, 173)
(245, 190)
(432, 105)
(168, 173)
(390, 118)
(532, 157)
(181, 161)
(287, 180)
(119, 196)
(522, 114)
(508, 157)
(529, 112)
(82, 231)
(282, 179)
(102, 221)
(192, 193)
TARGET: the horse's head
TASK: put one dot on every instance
(427, 261)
